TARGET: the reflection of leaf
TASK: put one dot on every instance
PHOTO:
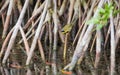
(67, 28)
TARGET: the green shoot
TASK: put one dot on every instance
(104, 14)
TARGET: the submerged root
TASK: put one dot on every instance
(69, 67)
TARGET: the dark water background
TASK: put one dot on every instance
(18, 57)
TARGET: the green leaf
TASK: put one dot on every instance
(99, 26)
(102, 11)
(103, 16)
(92, 21)
(116, 12)
(103, 22)
(108, 6)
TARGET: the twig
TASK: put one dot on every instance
(72, 2)
(98, 48)
(9, 12)
(25, 40)
(113, 45)
(55, 31)
(4, 6)
(41, 50)
(14, 34)
(37, 33)
(81, 44)
(39, 10)
(5, 43)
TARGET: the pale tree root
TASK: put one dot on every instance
(71, 65)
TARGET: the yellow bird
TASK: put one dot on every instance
(67, 28)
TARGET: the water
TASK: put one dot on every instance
(16, 63)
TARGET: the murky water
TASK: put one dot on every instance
(17, 59)
(16, 63)
(16, 66)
